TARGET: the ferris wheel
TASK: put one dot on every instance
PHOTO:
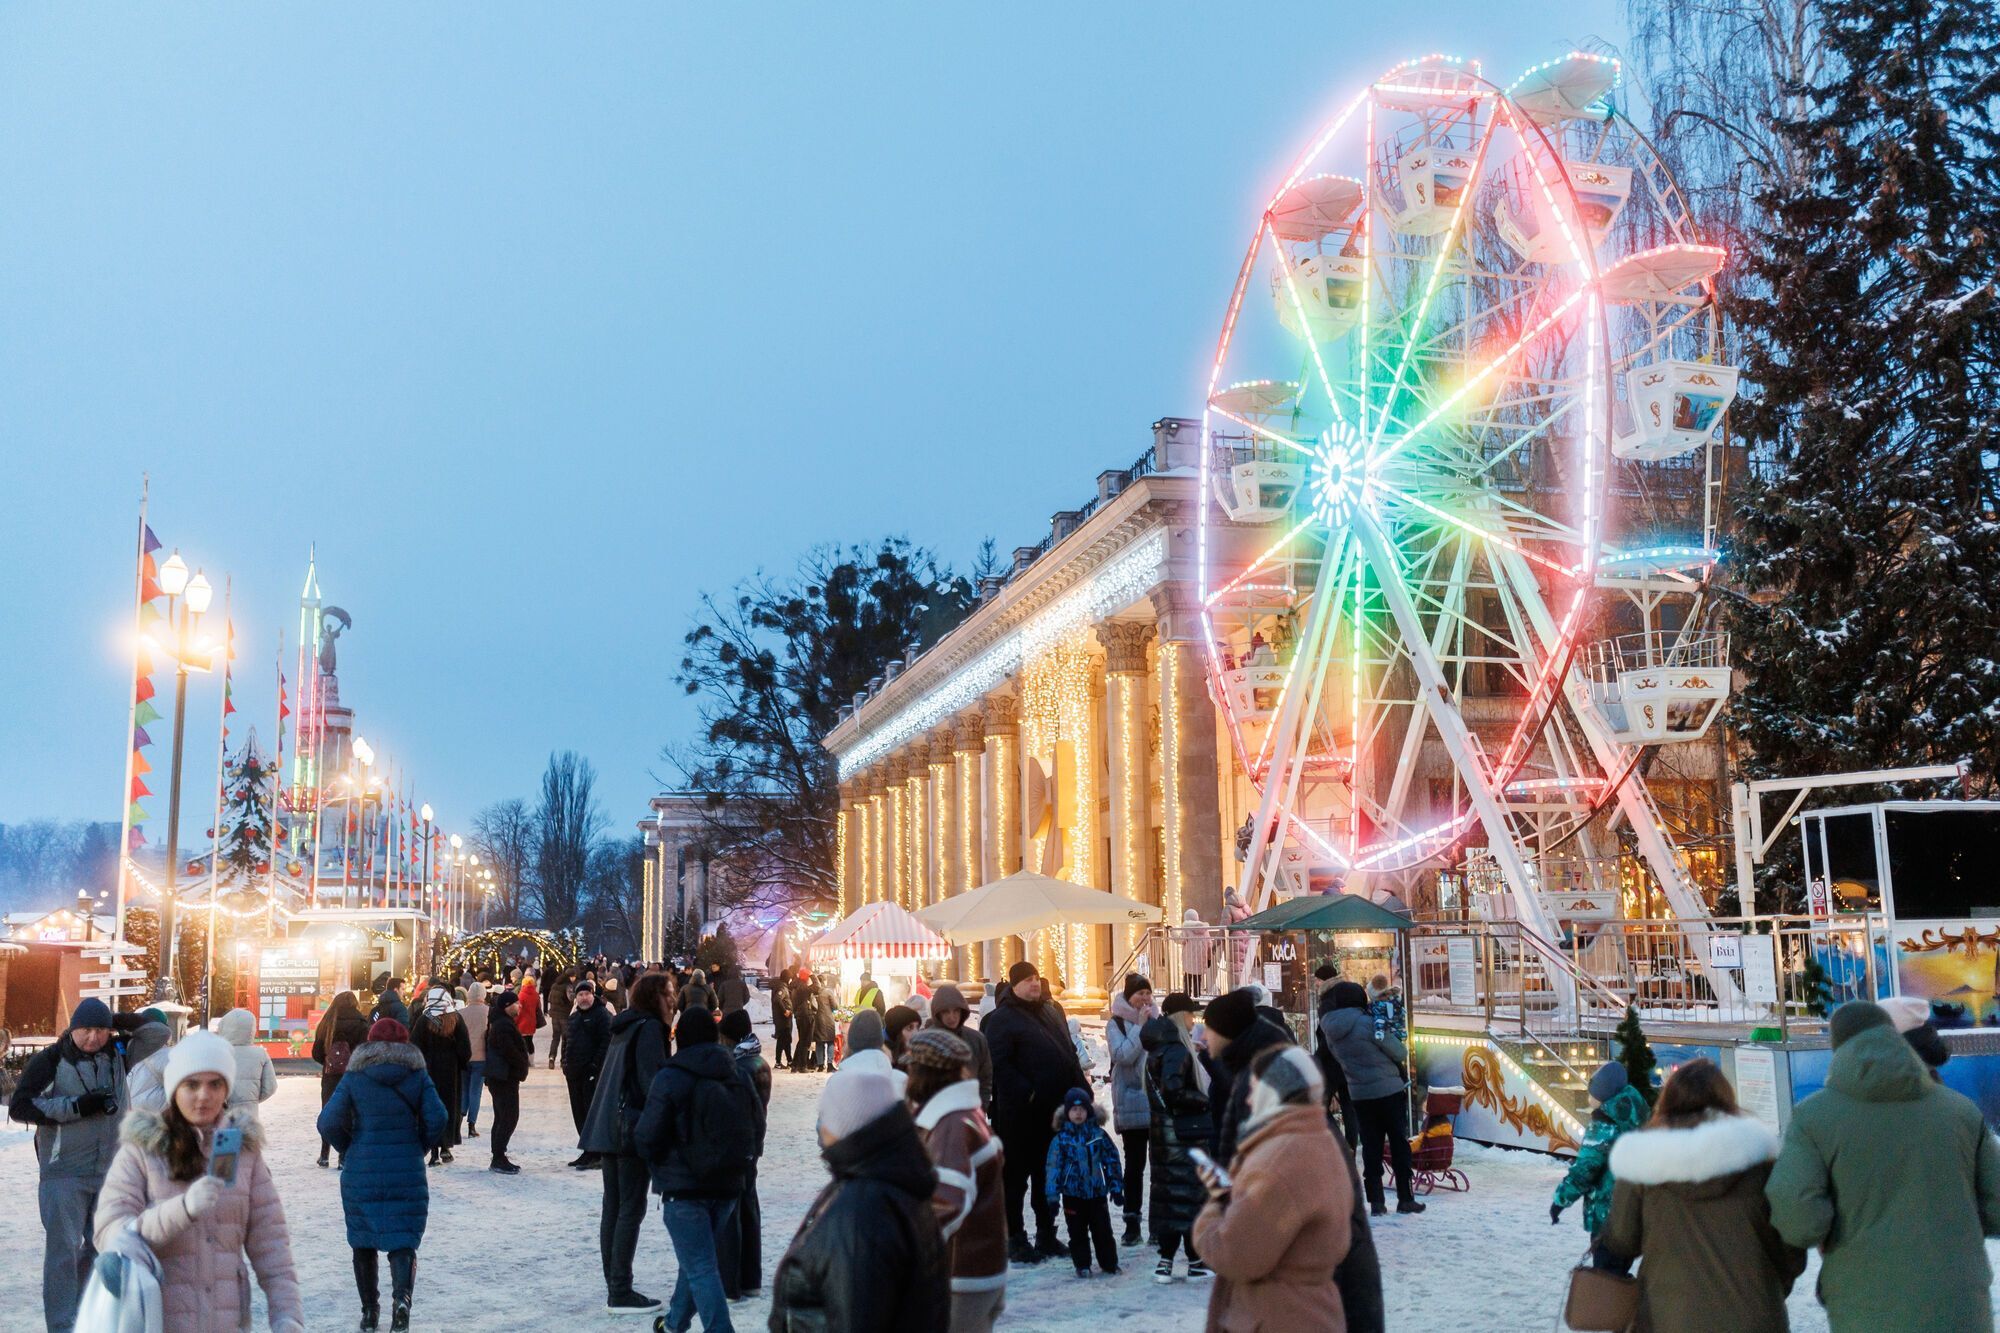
(1460, 474)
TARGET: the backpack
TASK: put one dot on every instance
(718, 1131)
(124, 1294)
(336, 1057)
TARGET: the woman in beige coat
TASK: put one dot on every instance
(1274, 1237)
(200, 1226)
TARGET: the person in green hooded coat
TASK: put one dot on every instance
(1896, 1179)
(1620, 1109)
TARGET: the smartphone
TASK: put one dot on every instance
(1203, 1161)
(222, 1156)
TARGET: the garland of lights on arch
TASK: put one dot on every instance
(1460, 471)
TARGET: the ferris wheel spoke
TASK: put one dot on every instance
(1305, 323)
(1270, 553)
(1261, 431)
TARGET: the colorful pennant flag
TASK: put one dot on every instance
(145, 616)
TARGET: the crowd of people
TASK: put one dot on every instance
(963, 1142)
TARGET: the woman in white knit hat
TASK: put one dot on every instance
(200, 1225)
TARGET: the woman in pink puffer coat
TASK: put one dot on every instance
(200, 1226)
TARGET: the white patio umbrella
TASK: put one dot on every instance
(1025, 902)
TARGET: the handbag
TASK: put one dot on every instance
(1600, 1301)
(123, 1295)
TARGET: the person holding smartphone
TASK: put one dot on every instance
(193, 1180)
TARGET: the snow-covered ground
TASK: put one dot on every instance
(501, 1249)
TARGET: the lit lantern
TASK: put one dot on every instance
(1676, 407)
(1533, 218)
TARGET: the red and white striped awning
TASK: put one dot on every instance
(880, 930)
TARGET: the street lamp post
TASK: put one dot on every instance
(187, 600)
(425, 899)
(458, 860)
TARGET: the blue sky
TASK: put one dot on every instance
(541, 320)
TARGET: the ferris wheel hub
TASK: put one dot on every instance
(1340, 474)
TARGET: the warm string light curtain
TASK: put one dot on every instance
(1057, 712)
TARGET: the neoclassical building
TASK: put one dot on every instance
(1065, 726)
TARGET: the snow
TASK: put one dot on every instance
(498, 1245)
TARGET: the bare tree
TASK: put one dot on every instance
(1721, 76)
(504, 832)
(615, 893)
(567, 822)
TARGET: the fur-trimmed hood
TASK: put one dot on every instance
(1061, 1117)
(1123, 1008)
(147, 1130)
(398, 1053)
(1713, 1150)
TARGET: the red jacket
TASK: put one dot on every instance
(529, 1018)
(970, 1200)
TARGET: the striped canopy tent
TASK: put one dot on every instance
(880, 931)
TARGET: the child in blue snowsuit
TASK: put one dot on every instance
(1083, 1172)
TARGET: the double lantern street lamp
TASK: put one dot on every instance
(187, 601)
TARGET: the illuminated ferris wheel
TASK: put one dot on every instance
(1461, 473)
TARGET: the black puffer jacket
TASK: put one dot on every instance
(1180, 1122)
(506, 1050)
(868, 1258)
(588, 1038)
(1034, 1064)
(638, 1050)
(1235, 1063)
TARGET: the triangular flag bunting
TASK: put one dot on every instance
(145, 713)
(151, 543)
(139, 788)
(140, 739)
(145, 690)
(139, 764)
(148, 589)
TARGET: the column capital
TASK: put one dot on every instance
(895, 768)
(1177, 608)
(968, 731)
(1124, 646)
(939, 746)
(1003, 715)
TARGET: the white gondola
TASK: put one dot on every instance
(1430, 180)
(1667, 273)
(1254, 683)
(1571, 87)
(1541, 231)
(1658, 687)
(1676, 407)
(1260, 490)
(1317, 207)
(1326, 287)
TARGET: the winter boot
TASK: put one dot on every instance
(402, 1287)
(1051, 1247)
(1409, 1206)
(472, 1131)
(365, 1280)
(631, 1302)
(1021, 1252)
(1131, 1236)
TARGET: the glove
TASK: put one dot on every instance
(96, 1103)
(1555, 1214)
(203, 1195)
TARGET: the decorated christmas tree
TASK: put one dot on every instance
(1871, 351)
(1637, 1055)
(245, 847)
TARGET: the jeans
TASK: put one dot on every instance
(1385, 1118)
(475, 1083)
(1135, 1144)
(1090, 1222)
(69, 1211)
(506, 1114)
(558, 1029)
(694, 1226)
(781, 1039)
(740, 1251)
(623, 1214)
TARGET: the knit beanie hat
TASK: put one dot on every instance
(200, 1052)
(1286, 1075)
(1078, 1097)
(1854, 1018)
(506, 999)
(735, 1024)
(864, 1033)
(1020, 972)
(1325, 972)
(388, 1029)
(935, 1048)
(1134, 983)
(1609, 1080)
(697, 1025)
(1180, 1002)
(1231, 1014)
(850, 1101)
(1906, 1012)
(900, 1017)
(91, 1013)
(475, 993)
(1348, 995)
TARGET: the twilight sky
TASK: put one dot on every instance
(540, 320)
